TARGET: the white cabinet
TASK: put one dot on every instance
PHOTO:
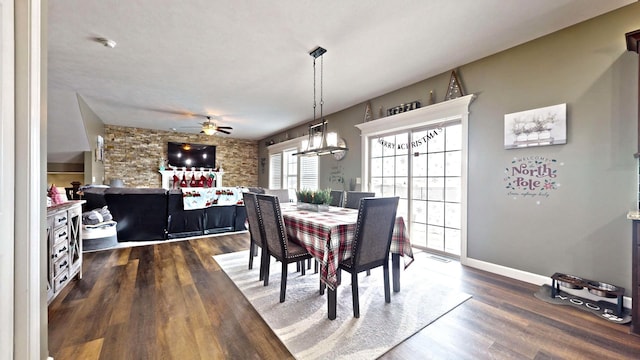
(64, 244)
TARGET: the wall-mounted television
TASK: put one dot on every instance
(191, 155)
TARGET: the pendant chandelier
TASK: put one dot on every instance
(319, 141)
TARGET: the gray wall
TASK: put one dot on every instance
(93, 125)
(581, 228)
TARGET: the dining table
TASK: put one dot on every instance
(328, 236)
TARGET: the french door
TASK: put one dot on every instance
(423, 166)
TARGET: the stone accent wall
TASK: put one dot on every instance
(134, 154)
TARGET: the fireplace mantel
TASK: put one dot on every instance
(167, 176)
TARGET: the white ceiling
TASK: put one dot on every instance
(247, 63)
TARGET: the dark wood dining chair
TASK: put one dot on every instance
(353, 198)
(337, 198)
(255, 230)
(277, 242)
(374, 230)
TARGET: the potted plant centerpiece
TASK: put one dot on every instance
(314, 200)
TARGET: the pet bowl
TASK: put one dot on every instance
(570, 281)
(602, 289)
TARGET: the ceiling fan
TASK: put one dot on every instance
(210, 128)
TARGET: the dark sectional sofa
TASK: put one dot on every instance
(157, 214)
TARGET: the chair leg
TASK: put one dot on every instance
(267, 265)
(309, 263)
(322, 287)
(252, 250)
(387, 290)
(303, 267)
(263, 254)
(315, 267)
(283, 281)
(368, 272)
(354, 294)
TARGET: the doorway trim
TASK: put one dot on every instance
(7, 136)
(30, 300)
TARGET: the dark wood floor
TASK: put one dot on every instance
(172, 301)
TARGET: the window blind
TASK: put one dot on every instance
(275, 171)
(309, 172)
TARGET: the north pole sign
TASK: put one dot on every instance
(533, 177)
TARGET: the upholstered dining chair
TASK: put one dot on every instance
(337, 198)
(255, 230)
(277, 242)
(353, 198)
(374, 230)
(284, 195)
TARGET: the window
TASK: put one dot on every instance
(420, 156)
(389, 169)
(288, 171)
(435, 202)
(290, 174)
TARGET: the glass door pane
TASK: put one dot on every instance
(436, 169)
(425, 172)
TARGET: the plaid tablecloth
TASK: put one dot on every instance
(328, 236)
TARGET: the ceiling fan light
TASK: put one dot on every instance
(209, 128)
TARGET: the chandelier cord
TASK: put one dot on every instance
(321, 85)
(314, 89)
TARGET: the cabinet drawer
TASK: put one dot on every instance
(59, 219)
(61, 265)
(59, 251)
(61, 234)
(60, 281)
(77, 211)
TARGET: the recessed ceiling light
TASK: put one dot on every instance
(107, 42)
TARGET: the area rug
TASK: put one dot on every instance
(301, 321)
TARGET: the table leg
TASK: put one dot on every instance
(331, 301)
(395, 270)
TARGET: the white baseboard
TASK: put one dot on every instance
(536, 279)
